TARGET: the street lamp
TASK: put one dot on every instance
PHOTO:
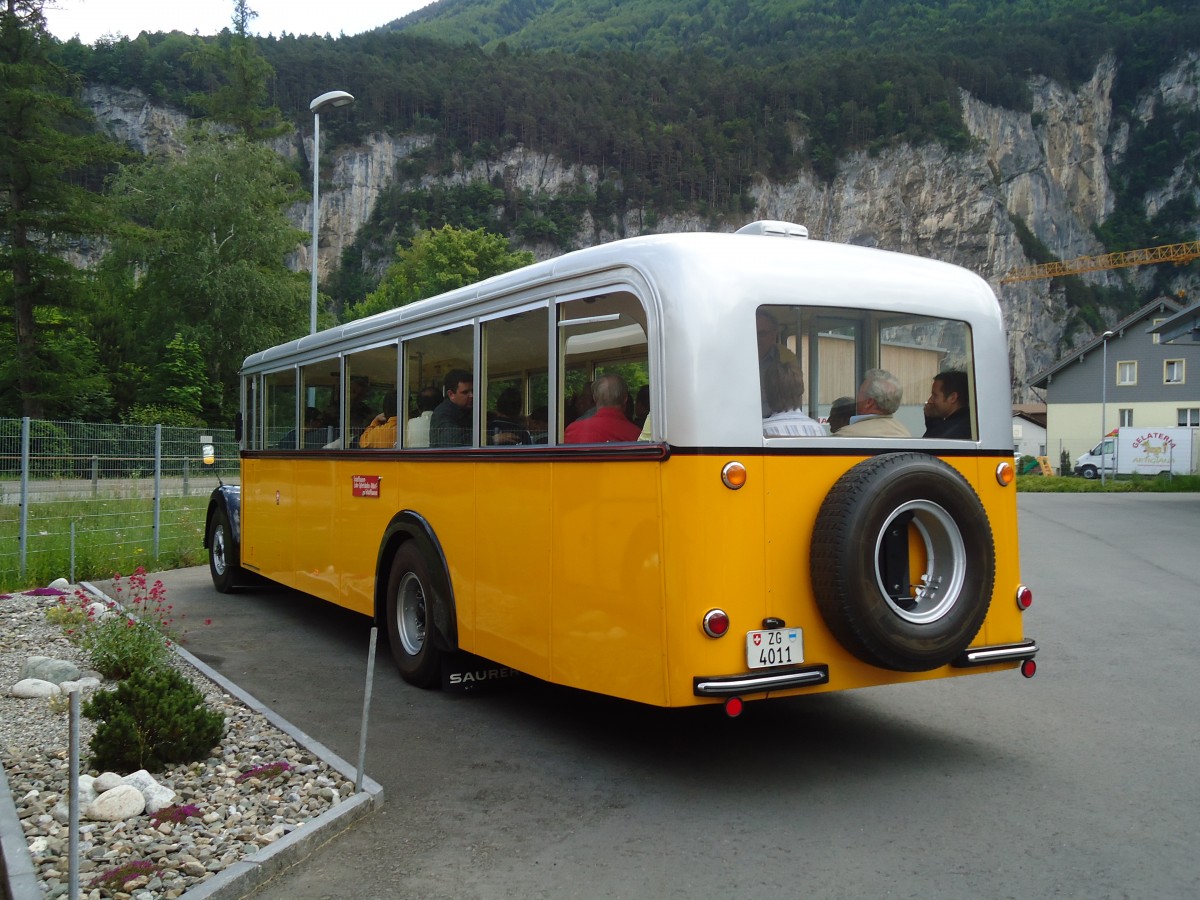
(328, 100)
(1104, 406)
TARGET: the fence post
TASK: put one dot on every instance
(157, 484)
(23, 528)
(95, 474)
(186, 473)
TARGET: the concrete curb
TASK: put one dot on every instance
(20, 878)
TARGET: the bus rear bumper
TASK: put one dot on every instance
(996, 653)
(757, 682)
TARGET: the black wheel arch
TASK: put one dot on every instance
(412, 526)
(227, 497)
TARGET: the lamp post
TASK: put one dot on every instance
(1104, 406)
(328, 100)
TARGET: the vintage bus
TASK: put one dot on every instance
(707, 557)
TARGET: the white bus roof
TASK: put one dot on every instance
(702, 289)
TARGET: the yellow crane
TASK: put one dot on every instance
(1176, 253)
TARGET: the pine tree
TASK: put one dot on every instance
(46, 146)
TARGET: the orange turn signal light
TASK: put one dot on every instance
(733, 475)
(1006, 474)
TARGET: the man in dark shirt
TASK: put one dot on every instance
(450, 424)
(947, 413)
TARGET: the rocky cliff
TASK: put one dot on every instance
(1050, 168)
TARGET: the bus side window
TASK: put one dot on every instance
(515, 386)
(603, 364)
(372, 410)
(280, 413)
(443, 362)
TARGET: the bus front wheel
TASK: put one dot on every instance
(222, 553)
(410, 617)
(903, 562)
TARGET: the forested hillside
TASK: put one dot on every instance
(683, 102)
(678, 107)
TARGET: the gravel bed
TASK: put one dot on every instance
(233, 820)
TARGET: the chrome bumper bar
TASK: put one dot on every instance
(997, 653)
(775, 680)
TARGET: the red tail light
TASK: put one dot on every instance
(1024, 598)
(716, 623)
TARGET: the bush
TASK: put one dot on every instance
(154, 719)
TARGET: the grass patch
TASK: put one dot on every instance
(112, 534)
(1131, 484)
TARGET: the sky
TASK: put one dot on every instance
(93, 19)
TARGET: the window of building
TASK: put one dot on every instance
(1126, 417)
(1127, 372)
(1172, 371)
(1189, 417)
(1155, 323)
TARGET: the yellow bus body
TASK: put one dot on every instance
(597, 575)
(604, 566)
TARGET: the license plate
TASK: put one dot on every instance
(774, 647)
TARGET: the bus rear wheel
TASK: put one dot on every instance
(410, 617)
(903, 562)
(222, 553)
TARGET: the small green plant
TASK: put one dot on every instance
(116, 879)
(136, 633)
(153, 719)
(68, 616)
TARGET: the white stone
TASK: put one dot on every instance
(32, 688)
(60, 584)
(121, 803)
(156, 795)
(106, 781)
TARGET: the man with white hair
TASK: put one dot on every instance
(877, 400)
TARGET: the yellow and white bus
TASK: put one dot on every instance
(613, 493)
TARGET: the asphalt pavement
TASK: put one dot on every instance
(1079, 782)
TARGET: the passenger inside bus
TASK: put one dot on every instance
(770, 351)
(450, 424)
(877, 400)
(417, 431)
(506, 426)
(840, 413)
(608, 422)
(783, 391)
(381, 433)
(947, 412)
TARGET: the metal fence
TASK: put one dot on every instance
(83, 500)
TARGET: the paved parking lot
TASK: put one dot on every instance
(1080, 782)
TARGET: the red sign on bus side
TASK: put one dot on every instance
(364, 485)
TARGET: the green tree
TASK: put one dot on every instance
(440, 260)
(207, 255)
(240, 75)
(47, 150)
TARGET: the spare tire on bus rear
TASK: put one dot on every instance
(879, 610)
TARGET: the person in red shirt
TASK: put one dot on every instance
(608, 422)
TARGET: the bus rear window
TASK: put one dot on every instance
(873, 373)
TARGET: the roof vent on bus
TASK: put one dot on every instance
(770, 226)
